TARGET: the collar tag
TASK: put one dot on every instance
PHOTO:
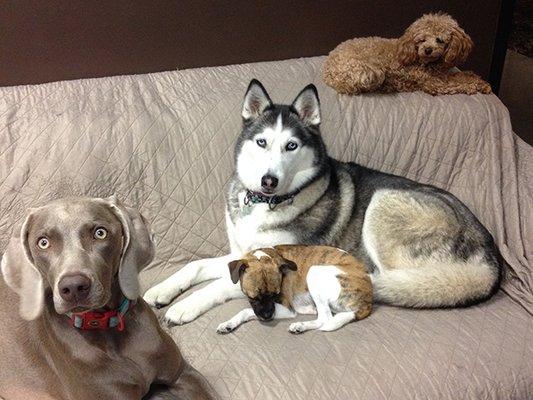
(96, 320)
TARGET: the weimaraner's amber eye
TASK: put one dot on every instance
(43, 243)
(100, 233)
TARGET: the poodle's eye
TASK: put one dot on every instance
(440, 41)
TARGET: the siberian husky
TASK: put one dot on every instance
(421, 245)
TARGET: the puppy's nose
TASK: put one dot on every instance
(269, 182)
(266, 313)
(428, 50)
(267, 316)
(74, 288)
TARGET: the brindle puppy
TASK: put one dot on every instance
(283, 281)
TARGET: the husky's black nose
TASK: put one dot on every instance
(269, 182)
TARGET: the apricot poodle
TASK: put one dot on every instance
(422, 59)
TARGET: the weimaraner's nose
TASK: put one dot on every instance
(74, 288)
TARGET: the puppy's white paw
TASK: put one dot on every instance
(160, 295)
(182, 313)
(297, 327)
(226, 327)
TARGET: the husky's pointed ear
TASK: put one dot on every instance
(256, 100)
(307, 105)
(138, 247)
(236, 268)
(20, 273)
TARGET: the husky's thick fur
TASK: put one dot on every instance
(422, 246)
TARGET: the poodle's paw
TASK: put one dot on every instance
(484, 88)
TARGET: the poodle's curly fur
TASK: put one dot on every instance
(422, 59)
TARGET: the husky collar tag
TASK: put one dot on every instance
(272, 201)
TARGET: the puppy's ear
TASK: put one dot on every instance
(138, 247)
(459, 47)
(236, 268)
(307, 105)
(21, 275)
(406, 48)
(256, 100)
(287, 266)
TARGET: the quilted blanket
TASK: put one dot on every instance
(163, 143)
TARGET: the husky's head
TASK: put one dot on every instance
(280, 149)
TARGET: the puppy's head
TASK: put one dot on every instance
(434, 38)
(261, 275)
(74, 249)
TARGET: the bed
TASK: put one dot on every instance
(163, 143)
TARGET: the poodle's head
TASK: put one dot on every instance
(434, 39)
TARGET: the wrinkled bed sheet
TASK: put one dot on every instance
(163, 142)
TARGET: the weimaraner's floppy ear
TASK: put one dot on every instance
(21, 275)
(138, 248)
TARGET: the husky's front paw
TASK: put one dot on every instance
(226, 327)
(182, 313)
(160, 295)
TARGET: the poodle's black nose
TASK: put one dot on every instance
(428, 50)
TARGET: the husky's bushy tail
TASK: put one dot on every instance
(446, 284)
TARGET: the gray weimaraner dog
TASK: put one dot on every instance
(80, 330)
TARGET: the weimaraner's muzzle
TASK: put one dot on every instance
(71, 256)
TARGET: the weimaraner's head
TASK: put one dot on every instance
(75, 248)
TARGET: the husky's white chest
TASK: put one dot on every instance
(257, 226)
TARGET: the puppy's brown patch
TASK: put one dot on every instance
(267, 273)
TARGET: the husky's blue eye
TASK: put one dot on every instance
(291, 146)
(261, 142)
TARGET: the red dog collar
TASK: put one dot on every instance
(96, 320)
